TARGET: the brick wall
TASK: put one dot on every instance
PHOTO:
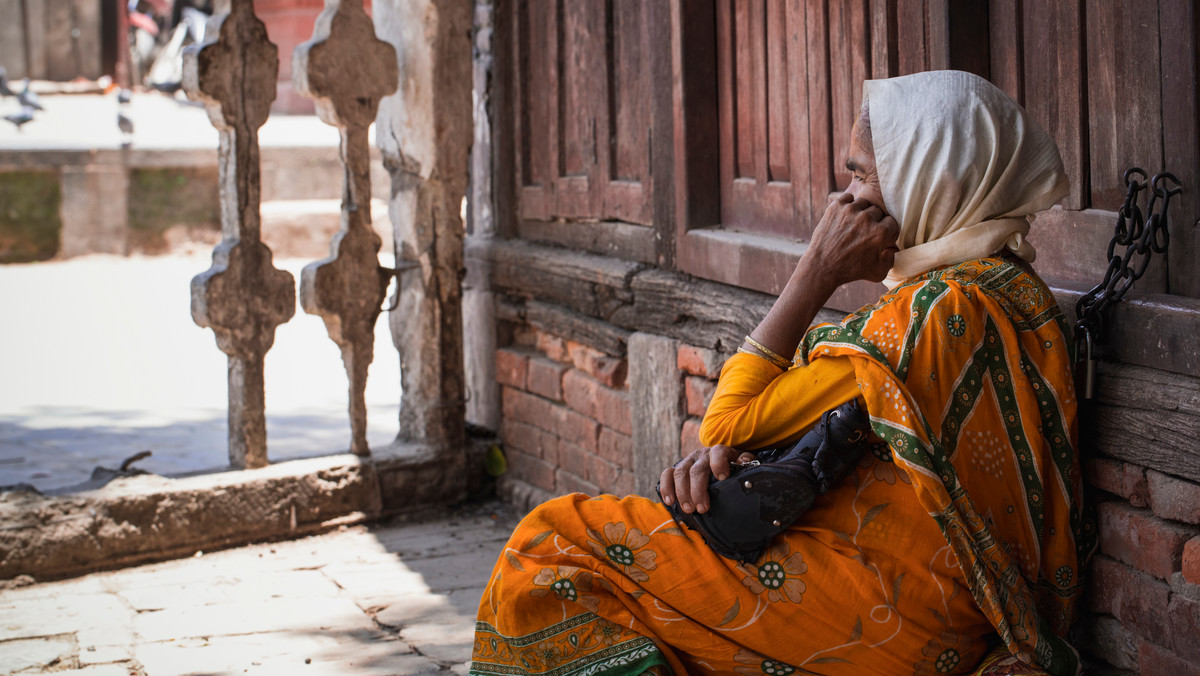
(567, 417)
(1141, 612)
(567, 421)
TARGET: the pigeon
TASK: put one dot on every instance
(29, 98)
(125, 124)
(5, 90)
(20, 118)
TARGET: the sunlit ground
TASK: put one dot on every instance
(100, 359)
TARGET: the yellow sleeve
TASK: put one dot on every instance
(757, 404)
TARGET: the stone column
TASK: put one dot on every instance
(479, 301)
(424, 132)
(242, 297)
(347, 70)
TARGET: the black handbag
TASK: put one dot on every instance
(762, 498)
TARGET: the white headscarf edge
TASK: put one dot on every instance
(961, 166)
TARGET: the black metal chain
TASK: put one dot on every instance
(1142, 237)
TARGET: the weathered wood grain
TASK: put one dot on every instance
(799, 130)
(884, 55)
(1179, 40)
(1147, 417)
(567, 323)
(1005, 42)
(912, 55)
(695, 103)
(849, 65)
(590, 284)
(1123, 100)
(1054, 85)
(1154, 330)
(533, 115)
(661, 144)
(820, 127)
(628, 241)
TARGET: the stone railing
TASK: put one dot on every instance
(242, 297)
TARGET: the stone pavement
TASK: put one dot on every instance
(391, 599)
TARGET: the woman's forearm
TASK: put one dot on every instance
(802, 298)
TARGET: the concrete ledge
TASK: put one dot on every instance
(136, 520)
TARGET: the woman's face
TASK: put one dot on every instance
(864, 181)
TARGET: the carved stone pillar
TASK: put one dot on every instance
(242, 297)
(424, 132)
(347, 70)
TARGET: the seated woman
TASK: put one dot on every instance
(965, 525)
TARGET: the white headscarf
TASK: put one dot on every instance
(961, 167)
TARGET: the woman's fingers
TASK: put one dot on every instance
(666, 486)
(686, 483)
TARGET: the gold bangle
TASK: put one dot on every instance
(771, 356)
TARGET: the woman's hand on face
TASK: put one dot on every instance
(854, 240)
(687, 481)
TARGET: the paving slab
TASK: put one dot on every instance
(383, 600)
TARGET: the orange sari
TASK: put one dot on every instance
(966, 374)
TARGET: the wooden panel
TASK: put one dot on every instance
(797, 88)
(910, 37)
(698, 168)
(629, 103)
(820, 129)
(1054, 87)
(533, 112)
(1179, 25)
(1124, 104)
(778, 77)
(884, 55)
(1005, 35)
(626, 164)
(849, 65)
(581, 89)
(756, 122)
(967, 37)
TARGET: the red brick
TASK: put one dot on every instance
(1118, 478)
(699, 361)
(1141, 539)
(528, 408)
(1154, 660)
(699, 392)
(626, 484)
(545, 378)
(531, 470)
(615, 447)
(1184, 616)
(1191, 561)
(1104, 636)
(573, 458)
(570, 483)
(689, 437)
(610, 371)
(529, 439)
(602, 473)
(1135, 598)
(576, 429)
(1174, 498)
(551, 346)
(579, 391)
(612, 410)
(511, 367)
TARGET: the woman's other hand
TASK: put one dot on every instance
(687, 481)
